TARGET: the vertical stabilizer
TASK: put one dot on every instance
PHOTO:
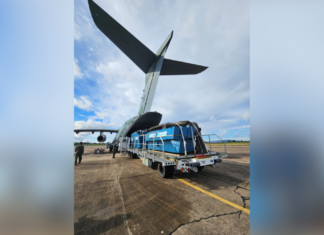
(152, 77)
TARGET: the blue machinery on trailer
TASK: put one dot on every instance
(173, 148)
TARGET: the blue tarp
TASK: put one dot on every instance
(172, 138)
(137, 139)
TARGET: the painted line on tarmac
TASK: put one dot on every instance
(214, 196)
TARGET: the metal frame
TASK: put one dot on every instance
(219, 138)
(123, 150)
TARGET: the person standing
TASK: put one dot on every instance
(114, 149)
(78, 153)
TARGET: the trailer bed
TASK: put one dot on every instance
(167, 162)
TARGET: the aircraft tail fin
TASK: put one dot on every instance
(152, 77)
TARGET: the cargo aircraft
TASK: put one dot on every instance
(153, 65)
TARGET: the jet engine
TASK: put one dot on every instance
(101, 138)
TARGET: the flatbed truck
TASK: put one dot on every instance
(167, 163)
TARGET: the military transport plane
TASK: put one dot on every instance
(151, 64)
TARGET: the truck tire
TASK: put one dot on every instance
(162, 171)
(165, 171)
(152, 164)
(200, 168)
(134, 156)
(155, 165)
(171, 171)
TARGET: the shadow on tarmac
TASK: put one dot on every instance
(91, 226)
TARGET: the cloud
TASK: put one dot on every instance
(246, 116)
(84, 140)
(102, 115)
(221, 133)
(77, 71)
(237, 128)
(83, 103)
(83, 24)
(245, 127)
(90, 123)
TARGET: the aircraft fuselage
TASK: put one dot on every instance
(139, 122)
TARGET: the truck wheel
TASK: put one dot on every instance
(200, 168)
(165, 171)
(171, 171)
(162, 170)
(134, 156)
(152, 164)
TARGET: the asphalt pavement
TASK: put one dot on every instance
(123, 196)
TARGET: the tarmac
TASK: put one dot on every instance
(123, 196)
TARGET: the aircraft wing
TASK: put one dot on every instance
(124, 40)
(96, 130)
(173, 67)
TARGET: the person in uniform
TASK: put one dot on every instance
(114, 149)
(78, 153)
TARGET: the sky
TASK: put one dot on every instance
(108, 85)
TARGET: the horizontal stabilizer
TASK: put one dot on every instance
(96, 130)
(124, 40)
(173, 67)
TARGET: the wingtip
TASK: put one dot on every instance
(90, 3)
(202, 69)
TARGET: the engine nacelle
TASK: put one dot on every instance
(101, 138)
